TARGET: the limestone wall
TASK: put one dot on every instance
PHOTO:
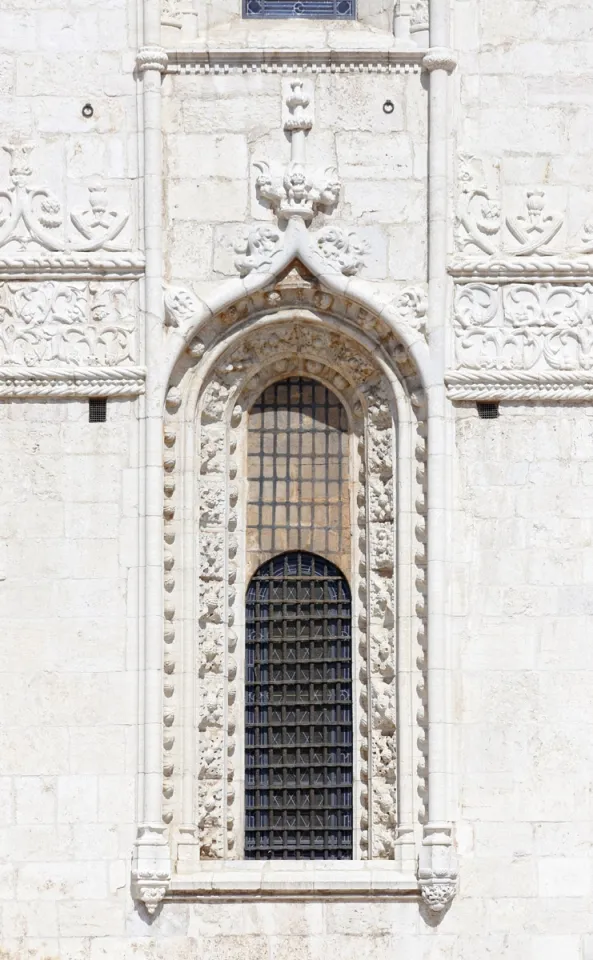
(522, 523)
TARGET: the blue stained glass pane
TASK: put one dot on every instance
(305, 9)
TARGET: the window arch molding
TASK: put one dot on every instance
(215, 389)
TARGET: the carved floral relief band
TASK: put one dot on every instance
(523, 307)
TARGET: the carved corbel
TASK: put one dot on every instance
(151, 869)
(438, 869)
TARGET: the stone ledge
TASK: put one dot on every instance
(285, 879)
(296, 47)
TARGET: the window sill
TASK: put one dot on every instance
(277, 879)
(257, 42)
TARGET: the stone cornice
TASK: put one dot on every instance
(524, 269)
(321, 60)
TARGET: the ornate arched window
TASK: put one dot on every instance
(294, 604)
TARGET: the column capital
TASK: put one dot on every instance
(440, 58)
(152, 58)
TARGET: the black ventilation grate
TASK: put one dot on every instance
(97, 410)
(298, 730)
(487, 411)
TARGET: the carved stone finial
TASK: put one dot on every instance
(20, 166)
(298, 193)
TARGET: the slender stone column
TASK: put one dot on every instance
(437, 869)
(152, 868)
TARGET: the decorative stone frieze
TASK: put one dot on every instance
(32, 215)
(81, 323)
(533, 340)
(52, 381)
(530, 229)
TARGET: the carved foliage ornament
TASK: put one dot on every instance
(32, 216)
(541, 327)
(80, 323)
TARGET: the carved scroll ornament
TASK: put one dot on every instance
(33, 221)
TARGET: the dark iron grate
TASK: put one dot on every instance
(300, 9)
(298, 723)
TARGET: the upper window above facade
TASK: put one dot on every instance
(300, 9)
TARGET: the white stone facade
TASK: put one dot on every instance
(193, 205)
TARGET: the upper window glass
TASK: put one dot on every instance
(301, 9)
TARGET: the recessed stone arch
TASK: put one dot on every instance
(235, 356)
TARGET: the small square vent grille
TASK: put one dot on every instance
(487, 411)
(97, 410)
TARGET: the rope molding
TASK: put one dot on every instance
(71, 266)
(561, 387)
(526, 269)
(21, 382)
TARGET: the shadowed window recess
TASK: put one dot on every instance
(298, 470)
(298, 711)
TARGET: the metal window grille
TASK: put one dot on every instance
(298, 470)
(300, 9)
(97, 410)
(298, 723)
